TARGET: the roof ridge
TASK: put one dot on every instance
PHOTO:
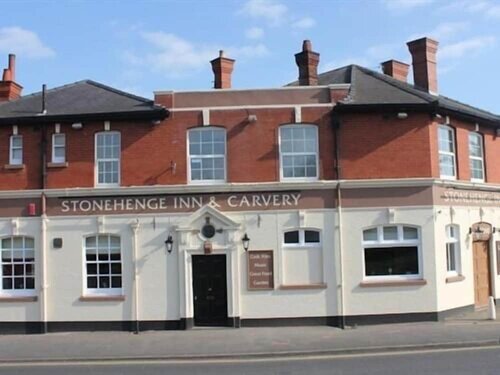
(117, 91)
(405, 86)
(470, 106)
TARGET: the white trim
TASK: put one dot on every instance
(477, 158)
(57, 128)
(400, 242)
(284, 88)
(298, 114)
(256, 106)
(302, 243)
(188, 154)
(448, 153)
(96, 160)
(25, 292)
(54, 158)
(13, 161)
(295, 126)
(107, 126)
(15, 130)
(206, 117)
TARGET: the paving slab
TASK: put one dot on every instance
(229, 342)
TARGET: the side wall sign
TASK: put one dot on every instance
(260, 270)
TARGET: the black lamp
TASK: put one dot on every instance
(169, 243)
(246, 242)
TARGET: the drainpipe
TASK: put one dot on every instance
(336, 126)
(43, 273)
(135, 229)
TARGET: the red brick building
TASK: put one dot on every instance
(346, 197)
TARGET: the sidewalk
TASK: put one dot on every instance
(246, 342)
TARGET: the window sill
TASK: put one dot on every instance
(303, 286)
(13, 166)
(57, 165)
(455, 279)
(375, 284)
(102, 298)
(18, 299)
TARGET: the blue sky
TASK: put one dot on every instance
(143, 46)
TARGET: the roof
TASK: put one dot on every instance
(371, 90)
(82, 100)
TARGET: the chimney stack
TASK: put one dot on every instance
(307, 61)
(9, 89)
(222, 68)
(396, 69)
(423, 52)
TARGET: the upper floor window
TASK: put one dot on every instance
(103, 265)
(447, 157)
(58, 148)
(16, 150)
(476, 157)
(207, 155)
(18, 265)
(392, 251)
(299, 152)
(107, 156)
(301, 237)
(452, 250)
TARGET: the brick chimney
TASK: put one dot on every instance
(9, 89)
(307, 61)
(423, 52)
(222, 68)
(396, 69)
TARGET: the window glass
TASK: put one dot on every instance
(390, 233)
(292, 237)
(410, 233)
(452, 249)
(386, 261)
(108, 158)
(207, 148)
(16, 150)
(370, 235)
(311, 236)
(58, 148)
(298, 149)
(103, 263)
(446, 141)
(18, 264)
(476, 161)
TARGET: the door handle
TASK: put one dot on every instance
(210, 298)
(195, 298)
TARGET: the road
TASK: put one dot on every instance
(479, 361)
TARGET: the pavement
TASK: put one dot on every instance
(227, 343)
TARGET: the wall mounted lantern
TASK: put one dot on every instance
(169, 243)
(246, 242)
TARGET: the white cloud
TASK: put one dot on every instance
(23, 42)
(466, 47)
(382, 52)
(486, 8)
(304, 23)
(443, 31)
(272, 11)
(404, 5)
(254, 33)
(176, 57)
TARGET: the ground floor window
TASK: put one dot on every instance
(392, 251)
(452, 250)
(302, 257)
(18, 265)
(103, 264)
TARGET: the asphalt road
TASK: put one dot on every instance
(480, 361)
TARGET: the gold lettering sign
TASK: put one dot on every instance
(260, 270)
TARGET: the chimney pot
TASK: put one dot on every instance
(222, 68)
(423, 52)
(12, 66)
(307, 61)
(7, 76)
(396, 69)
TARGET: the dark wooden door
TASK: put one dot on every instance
(482, 286)
(210, 290)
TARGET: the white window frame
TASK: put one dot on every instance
(456, 241)
(12, 160)
(282, 154)
(212, 181)
(480, 158)
(400, 242)
(19, 292)
(302, 234)
(96, 160)
(447, 153)
(56, 159)
(101, 291)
